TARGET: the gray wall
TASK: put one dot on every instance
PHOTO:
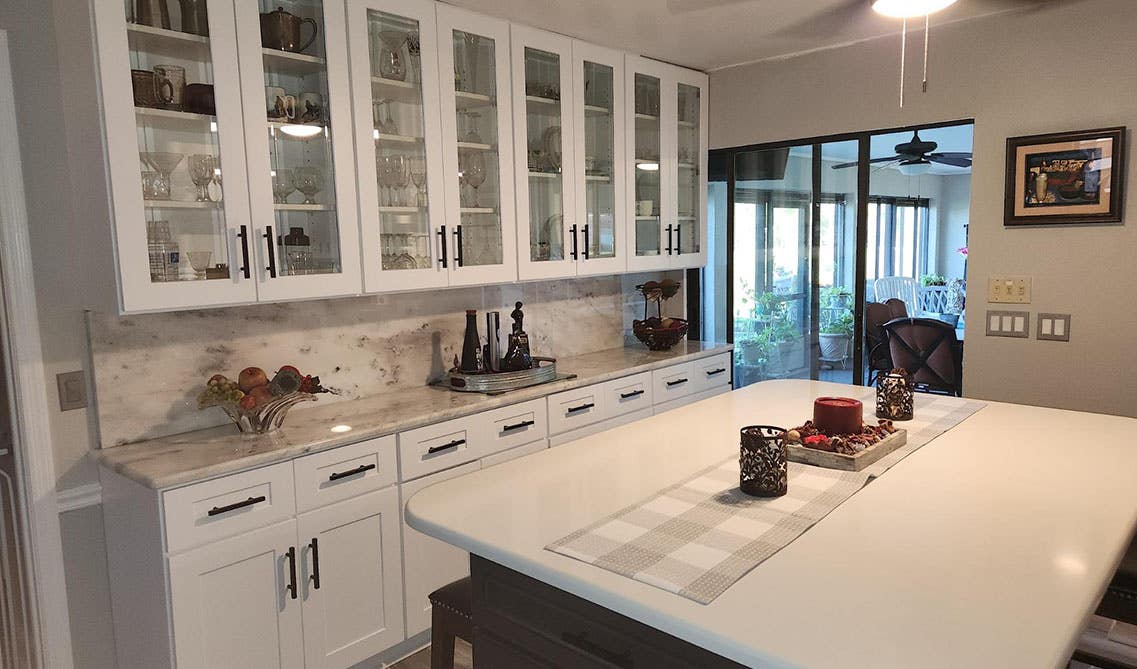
(1062, 67)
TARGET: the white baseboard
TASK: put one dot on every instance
(79, 497)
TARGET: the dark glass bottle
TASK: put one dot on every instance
(471, 344)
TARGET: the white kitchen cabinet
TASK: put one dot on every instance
(235, 603)
(667, 145)
(350, 570)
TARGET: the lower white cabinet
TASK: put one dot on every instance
(235, 602)
(350, 579)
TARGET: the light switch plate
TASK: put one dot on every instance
(1054, 327)
(1004, 289)
(1008, 324)
(72, 390)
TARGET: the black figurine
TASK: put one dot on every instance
(517, 356)
(517, 315)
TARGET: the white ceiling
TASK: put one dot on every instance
(712, 34)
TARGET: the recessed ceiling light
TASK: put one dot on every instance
(907, 9)
(301, 130)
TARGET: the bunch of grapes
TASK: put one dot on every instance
(219, 389)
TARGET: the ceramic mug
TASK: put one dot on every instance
(145, 85)
(199, 99)
(281, 105)
(645, 207)
(310, 108)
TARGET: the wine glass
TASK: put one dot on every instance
(417, 167)
(217, 180)
(391, 63)
(472, 136)
(399, 178)
(309, 181)
(283, 183)
(199, 261)
(383, 177)
(463, 157)
(475, 173)
(201, 166)
(163, 163)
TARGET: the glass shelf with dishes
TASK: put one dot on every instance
(647, 172)
(689, 180)
(546, 151)
(600, 144)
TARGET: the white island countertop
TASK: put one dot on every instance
(988, 547)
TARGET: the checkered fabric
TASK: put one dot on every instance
(698, 537)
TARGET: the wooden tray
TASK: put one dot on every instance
(851, 463)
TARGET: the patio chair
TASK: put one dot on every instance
(928, 350)
(902, 288)
(876, 342)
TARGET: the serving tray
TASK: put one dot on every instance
(493, 383)
(851, 463)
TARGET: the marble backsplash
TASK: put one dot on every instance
(148, 368)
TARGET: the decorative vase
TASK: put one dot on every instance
(763, 471)
(894, 395)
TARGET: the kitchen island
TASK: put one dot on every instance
(988, 547)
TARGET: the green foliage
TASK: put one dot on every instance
(843, 324)
(835, 296)
(933, 280)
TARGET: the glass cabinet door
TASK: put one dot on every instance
(299, 144)
(174, 128)
(649, 241)
(394, 81)
(599, 176)
(478, 146)
(690, 171)
(543, 130)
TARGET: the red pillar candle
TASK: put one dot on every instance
(838, 415)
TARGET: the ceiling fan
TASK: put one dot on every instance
(917, 156)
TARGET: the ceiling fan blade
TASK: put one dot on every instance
(874, 160)
(953, 159)
(827, 23)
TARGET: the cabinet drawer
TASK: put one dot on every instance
(203, 512)
(664, 407)
(628, 394)
(436, 447)
(512, 426)
(673, 382)
(575, 408)
(344, 472)
(712, 372)
(514, 453)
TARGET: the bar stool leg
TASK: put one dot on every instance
(441, 639)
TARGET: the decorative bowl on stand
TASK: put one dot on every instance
(657, 337)
(266, 417)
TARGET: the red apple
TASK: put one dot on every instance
(250, 378)
(248, 402)
(261, 395)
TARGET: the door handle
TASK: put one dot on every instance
(437, 449)
(572, 233)
(271, 251)
(668, 247)
(458, 245)
(582, 407)
(678, 240)
(517, 426)
(335, 476)
(715, 372)
(442, 237)
(634, 393)
(585, 247)
(291, 587)
(243, 235)
(218, 510)
(314, 547)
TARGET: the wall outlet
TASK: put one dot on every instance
(1008, 324)
(72, 390)
(1054, 327)
(1003, 289)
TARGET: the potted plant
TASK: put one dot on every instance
(750, 350)
(835, 337)
(783, 345)
(836, 297)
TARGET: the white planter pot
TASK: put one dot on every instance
(834, 346)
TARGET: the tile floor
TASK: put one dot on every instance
(463, 658)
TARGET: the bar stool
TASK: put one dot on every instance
(451, 618)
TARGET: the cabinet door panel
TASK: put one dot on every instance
(352, 551)
(690, 169)
(477, 131)
(649, 174)
(298, 138)
(230, 603)
(176, 232)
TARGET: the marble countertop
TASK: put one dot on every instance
(988, 547)
(202, 454)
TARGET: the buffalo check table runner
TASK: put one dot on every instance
(699, 536)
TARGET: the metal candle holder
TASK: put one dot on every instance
(894, 395)
(762, 461)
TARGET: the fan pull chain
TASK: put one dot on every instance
(903, 51)
(927, 30)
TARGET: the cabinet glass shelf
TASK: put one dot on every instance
(179, 204)
(396, 139)
(173, 115)
(166, 42)
(304, 207)
(298, 62)
(464, 100)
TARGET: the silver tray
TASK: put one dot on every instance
(500, 382)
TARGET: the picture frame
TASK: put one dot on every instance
(1066, 178)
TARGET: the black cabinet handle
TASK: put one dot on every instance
(218, 510)
(243, 235)
(580, 642)
(572, 233)
(716, 372)
(678, 239)
(271, 251)
(585, 251)
(335, 476)
(458, 245)
(442, 236)
(454, 444)
(668, 248)
(676, 382)
(518, 426)
(314, 547)
(291, 587)
(582, 407)
(634, 393)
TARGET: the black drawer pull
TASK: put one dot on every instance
(291, 587)
(218, 510)
(581, 642)
(518, 426)
(582, 407)
(454, 444)
(716, 372)
(634, 393)
(351, 472)
(676, 382)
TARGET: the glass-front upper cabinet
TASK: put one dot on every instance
(394, 75)
(478, 147)
(543, 148)
(299, 150)
(649, 180)
(689, 246)
(599, 177)
(176, 153)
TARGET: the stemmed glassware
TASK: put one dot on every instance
(475, 173)
(416, 165)
(309, 181)
(399, 179)
(201, 166)
(388, 126)
(391, 63)
(283, 183)
(472, 136)
(383, 169)
(163, 163)
(199, 261)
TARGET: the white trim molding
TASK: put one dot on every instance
(32, 424)
(79, 497)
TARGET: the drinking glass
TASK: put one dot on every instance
(417, 167)
(164, 163)
(199, 261)
(217, 180)
(472, 136)
(283, 183)
(151, 185)
(463, 159)
(309, 181)
(201, 166)
(383, 177)
(391, 63)
(475, 173)
(399, 178)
